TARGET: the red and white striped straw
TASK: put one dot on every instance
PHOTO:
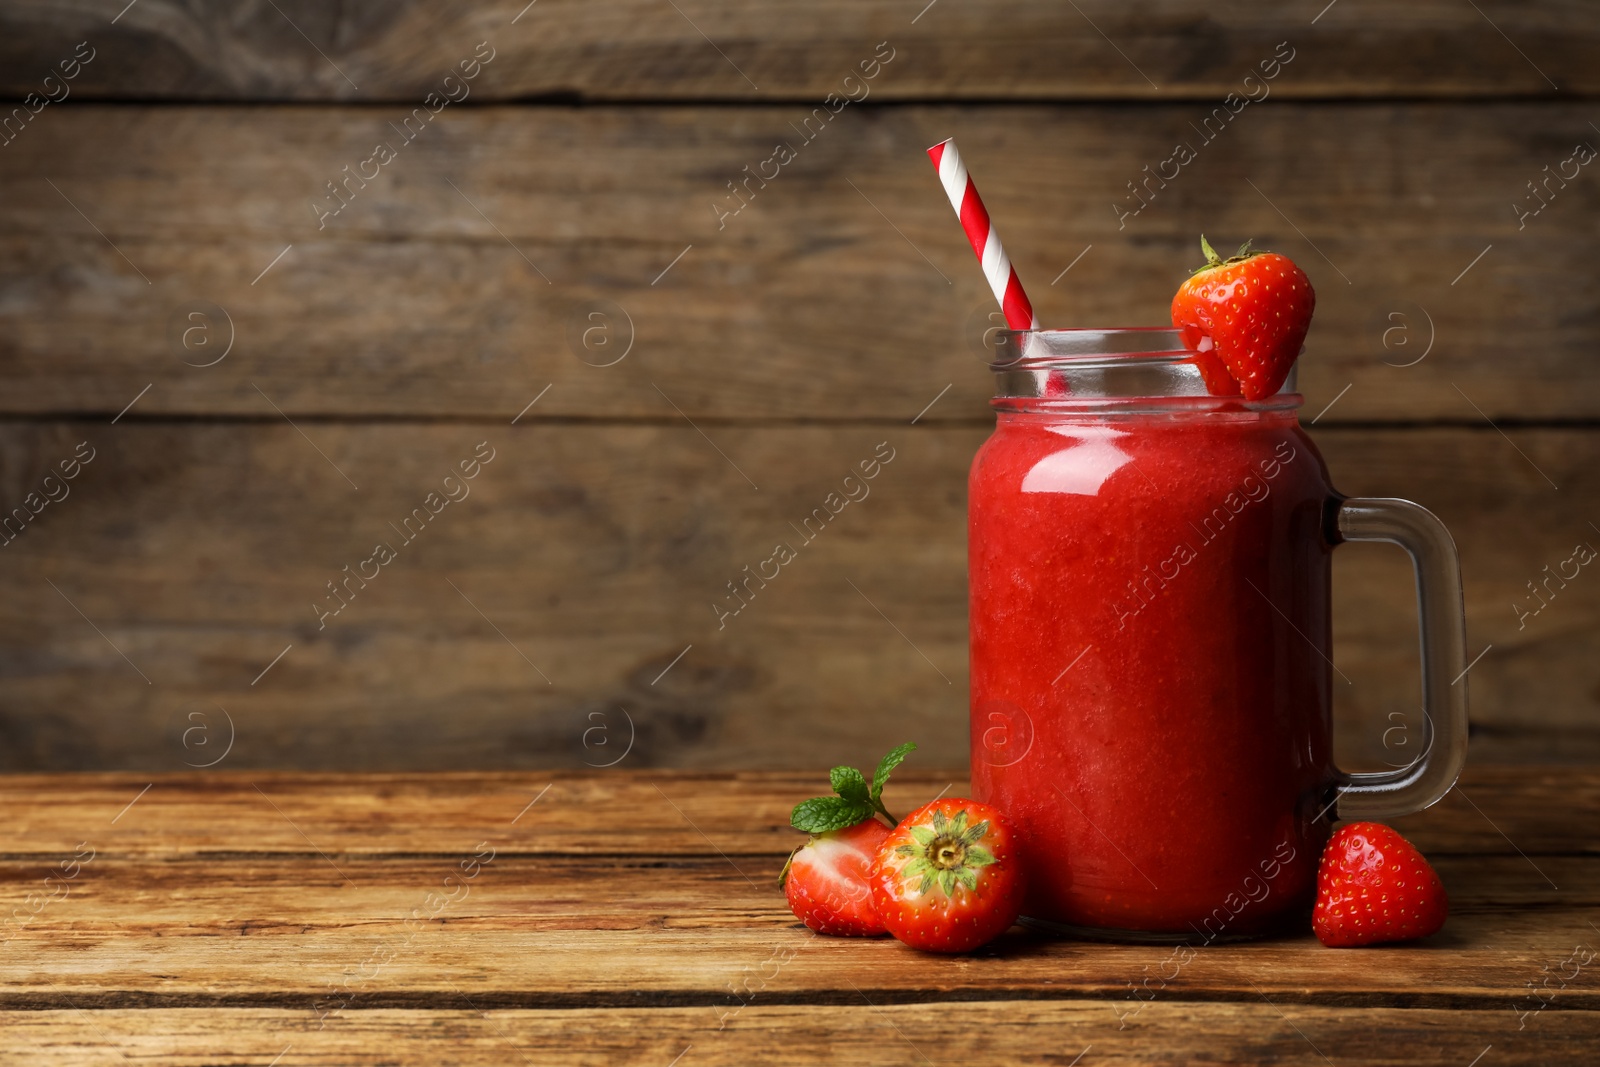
(985, 242)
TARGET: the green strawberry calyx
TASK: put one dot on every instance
(946, 854)
(1214, 258)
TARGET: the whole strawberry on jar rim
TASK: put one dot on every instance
(1245, 318)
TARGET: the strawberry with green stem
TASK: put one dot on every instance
(1245, 319)
(948, 878)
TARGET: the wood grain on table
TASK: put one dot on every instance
(621, 916)
(628, 917)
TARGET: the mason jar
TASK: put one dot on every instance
(1151, 661)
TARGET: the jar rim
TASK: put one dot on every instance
(1106, 368)
(1123, 344)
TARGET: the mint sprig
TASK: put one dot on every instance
(880, 777)
(821, 814)
(854, 800)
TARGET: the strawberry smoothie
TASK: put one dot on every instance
(1150, 692)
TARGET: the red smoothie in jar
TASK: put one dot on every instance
(1149, 586)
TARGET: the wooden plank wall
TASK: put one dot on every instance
(252, 374)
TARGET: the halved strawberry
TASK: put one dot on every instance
(826, 879)
(947, 879)
(1372, 886)
(1245, 319)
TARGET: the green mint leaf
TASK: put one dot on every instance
(851, 784)
(821, 814)
(895, 757)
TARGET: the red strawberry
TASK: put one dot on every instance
(1245, 319)
(1219, 381)
(1372, 886)
(827, 880)
(947, 879)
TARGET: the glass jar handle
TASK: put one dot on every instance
(1443, 625)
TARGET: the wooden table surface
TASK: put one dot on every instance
(632, 918)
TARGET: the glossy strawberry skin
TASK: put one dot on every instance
(1219, 380)
(827, 881)
(1255, 313)
(948, 879)
(1374, 886)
